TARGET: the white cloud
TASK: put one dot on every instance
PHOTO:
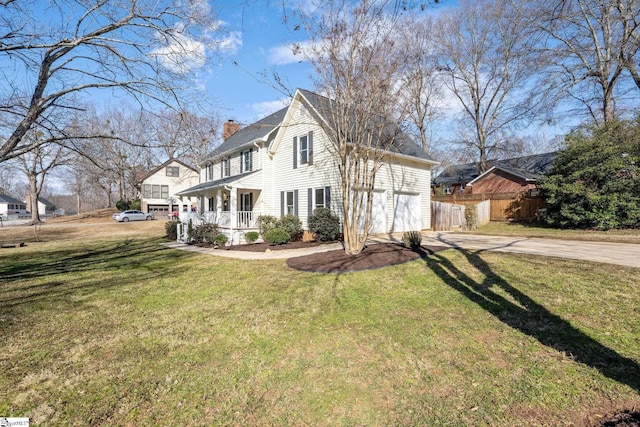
(231, 43)
(263, 109)
(289, 53)
(183, 55)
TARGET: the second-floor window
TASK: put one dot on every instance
(173, 171)
(246, 164)
(209, 172)
(304, 150)
(226, 167)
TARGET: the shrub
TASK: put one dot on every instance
(594, 181)
(412, 239)
(122, 205)
(221, 239)
(189, 231)
(277, 236)
(135, 204)
(292, 225)
(266, 223)
(205, 233)
(171, 228)
(470, 217)
(251, 236)
(324, 224)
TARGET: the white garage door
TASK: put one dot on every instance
(406, 212)
(379, 212)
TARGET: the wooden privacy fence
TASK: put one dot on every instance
(504, 206)
(449, 216)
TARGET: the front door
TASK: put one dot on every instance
(246, 202)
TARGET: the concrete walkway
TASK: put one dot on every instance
(612, 253)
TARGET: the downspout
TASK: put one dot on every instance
(229, 189)
(262, 177)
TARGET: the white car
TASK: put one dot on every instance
(131, 215)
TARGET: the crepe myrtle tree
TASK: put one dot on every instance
(357, 55)
(55, 53)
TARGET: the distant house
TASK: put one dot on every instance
(159, 187)
(45, 207)
(11, 206)
(282, 165)
(515, 175)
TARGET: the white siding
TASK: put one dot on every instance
(187, 178)
(284, 177)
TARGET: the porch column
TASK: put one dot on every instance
(233, 207)
(218, 203)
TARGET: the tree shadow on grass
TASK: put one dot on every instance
(532, 318)
(141, 260)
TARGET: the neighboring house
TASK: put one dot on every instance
(158, 188)
(515, 175)
(281, 165)
(11, 206)
(45, 207)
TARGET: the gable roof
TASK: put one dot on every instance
(8, 199)
(259, 130)
(141, 176)
(320, 107)
(529, 168)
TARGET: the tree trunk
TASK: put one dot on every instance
(34, 192)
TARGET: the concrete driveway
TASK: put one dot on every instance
(612, 253)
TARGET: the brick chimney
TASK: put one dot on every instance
(229, 128)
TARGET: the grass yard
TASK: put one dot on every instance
(101, 325)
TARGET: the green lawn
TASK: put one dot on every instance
(117, 330)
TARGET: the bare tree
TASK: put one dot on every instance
(36, 165)
(144, 49)
(487, 63)
(185, 135)
(589, 45)
(356, 56)
(421, 87)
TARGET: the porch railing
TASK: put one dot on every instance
(244, 219)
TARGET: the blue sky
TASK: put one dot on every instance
(245, 92)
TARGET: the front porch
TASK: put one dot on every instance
(233, 225)
(231, 204)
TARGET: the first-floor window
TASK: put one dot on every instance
(246, 202)
(290, 205)
(164, 191)
(155, 191)
(319, 198)
(146, 191)
(211, 208)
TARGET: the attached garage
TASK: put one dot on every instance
(406, 212)
(379, 212)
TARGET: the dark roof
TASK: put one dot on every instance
(8, 199)
(403, 143)
(46, 202)
(530, 168)
(213, 184)
(250, 133)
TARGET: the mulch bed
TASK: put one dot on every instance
(372, 257)
(262, 247)
(625, 418)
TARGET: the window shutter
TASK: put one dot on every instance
(221, 168)
(295, 152)
(250, 159)
(281, 204)
(310, 147)
(295, 202)
(241, 162)
(310, 201)
(327, 197)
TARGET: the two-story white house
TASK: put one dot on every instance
(281, 165)
(159, 187)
